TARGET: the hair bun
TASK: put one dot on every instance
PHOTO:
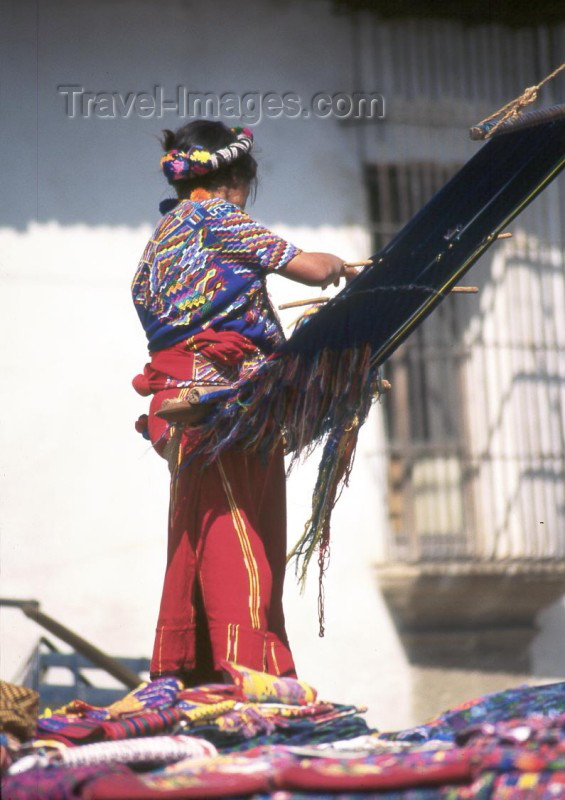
(178, 165)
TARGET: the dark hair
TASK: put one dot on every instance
(212, 136)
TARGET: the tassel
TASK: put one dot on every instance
(335, 467)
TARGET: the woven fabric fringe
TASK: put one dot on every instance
(303, 400)
(292, 396)
(333, 475)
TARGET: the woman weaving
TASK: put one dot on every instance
(201, 297)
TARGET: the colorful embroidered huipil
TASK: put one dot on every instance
(205, 267)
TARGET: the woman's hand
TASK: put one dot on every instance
(350, 272)
(346, 272)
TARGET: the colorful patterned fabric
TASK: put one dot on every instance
(143, 712)
(226, 715)
(319, 726)
(228, 776)
(545, 730)
(208, 694)
(261, 687)
(209, 359)
(223, 776)
(521, 703)
(149, 695)
(272, 749)
(239, 723)
(19, 708)
(386, 771)
(72, 731)
(529, 786)
(205, 266)
(56, 783)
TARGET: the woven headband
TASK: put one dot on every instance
(178, 165)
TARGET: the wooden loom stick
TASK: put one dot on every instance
(318, 300)
(298, 303)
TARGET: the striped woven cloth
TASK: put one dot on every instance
(19, 708)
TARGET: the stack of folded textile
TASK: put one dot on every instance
(270, 737)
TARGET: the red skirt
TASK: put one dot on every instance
(222, 595)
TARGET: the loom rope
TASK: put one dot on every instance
(514, 107)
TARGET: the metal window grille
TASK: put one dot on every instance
(476, 416)
(426, 442)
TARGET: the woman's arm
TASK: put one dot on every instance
(251, 243)
(315, 269)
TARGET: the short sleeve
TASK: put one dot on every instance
(246, 241)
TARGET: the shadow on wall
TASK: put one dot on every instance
(548, 648)
(478, 617)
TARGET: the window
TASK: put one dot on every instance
(428, 482)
